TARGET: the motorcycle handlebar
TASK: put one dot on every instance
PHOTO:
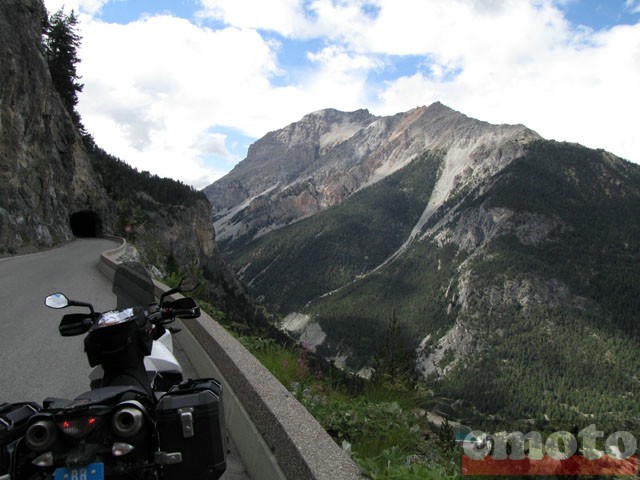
(171, 313)
(187, 312)
(182, 308)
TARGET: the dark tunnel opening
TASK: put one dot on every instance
(86, 223)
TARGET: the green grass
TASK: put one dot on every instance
(381, 425)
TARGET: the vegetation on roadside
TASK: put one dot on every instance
(381, 423)
(61, 42)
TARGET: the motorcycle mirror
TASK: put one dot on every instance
(188, 283)
(59, 300)
(56, 300)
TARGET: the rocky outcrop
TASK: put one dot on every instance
(45, 173)
(327, 156)
(451, 349)
(290, 174)
(288, 155)
(50, 191)
(186, 233)
(473, 228)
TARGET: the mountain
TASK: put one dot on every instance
(321, 160)
(505, 266)
(55, 183)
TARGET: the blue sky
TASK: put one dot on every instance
(600, 14)
(182, 88)
(596, 14)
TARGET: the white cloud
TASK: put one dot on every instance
(633, 5)
(156, 89)
(149, 95)
(282, 16)
(212, 143)
(568, 85)
(291, 18)
(340, 78)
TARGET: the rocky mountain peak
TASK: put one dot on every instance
(331, 115)
(323, 127)
(328, 155)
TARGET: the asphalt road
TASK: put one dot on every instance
(35, 361)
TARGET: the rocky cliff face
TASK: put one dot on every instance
(50, 188)
(327, 156)
(187, 234)
(45, 173)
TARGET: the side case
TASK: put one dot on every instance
(190, 420)
(14, 419)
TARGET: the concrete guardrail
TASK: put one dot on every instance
(276, 437)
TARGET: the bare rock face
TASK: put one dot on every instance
(287, 155)
(290, 174)
(49, 190)
(327, 156)
(186, 233)
(45, 173)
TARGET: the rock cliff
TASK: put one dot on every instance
(55, 185)
(45, 173)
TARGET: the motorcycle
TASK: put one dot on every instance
(134, 286)
(139, 420)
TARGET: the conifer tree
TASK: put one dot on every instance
(61, 43)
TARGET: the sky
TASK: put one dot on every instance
(181, 88)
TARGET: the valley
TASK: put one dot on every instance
(509, 264)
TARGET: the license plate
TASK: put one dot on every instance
(93, 471)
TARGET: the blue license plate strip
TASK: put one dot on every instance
(93, 471)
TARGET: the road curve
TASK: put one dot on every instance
(35, 361)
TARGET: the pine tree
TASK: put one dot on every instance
(61, 47)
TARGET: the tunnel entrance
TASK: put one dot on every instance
(86, 223)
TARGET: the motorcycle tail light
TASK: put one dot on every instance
(78, 427)
(127, 421)
(40, 436)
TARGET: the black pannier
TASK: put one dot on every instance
(14, 419)
(190, 420)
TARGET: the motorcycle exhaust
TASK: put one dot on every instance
(127, 421)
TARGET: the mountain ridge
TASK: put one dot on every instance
(319, 161)
(495, 251)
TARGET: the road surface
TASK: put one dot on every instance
(35, 361)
